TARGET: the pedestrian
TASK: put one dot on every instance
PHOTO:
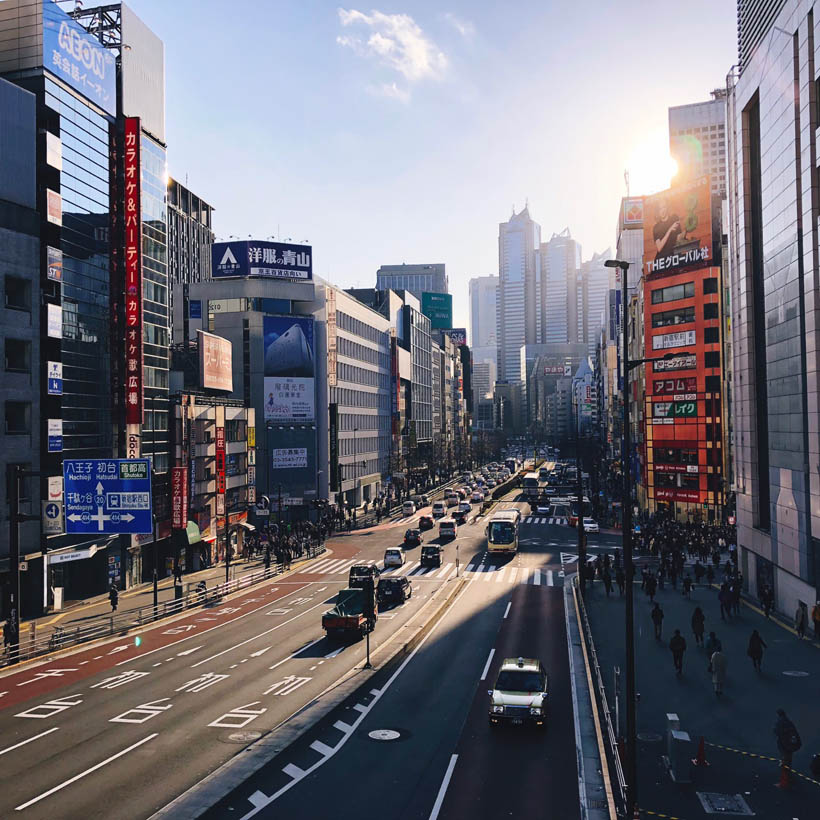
(815, 619)
(713, 644)
(710, 574)
(699, 571)
(755, 649)
(737, 587)
(687, 586)
(800, 621)
(7, 635)
(607, 581)
(767, 599)
(698, 621)
(651, 587)
(113, 597)
(788, 738)
(718, 665)
(620, 580)
(677, 645)
(725, 601)
(657, 620)
(177, 573)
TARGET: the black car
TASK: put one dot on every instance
(426, 522)
(431, 556)
(394, 590)
(459, 516)
(412, 538)
(358, 573)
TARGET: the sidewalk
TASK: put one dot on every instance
(739, 722)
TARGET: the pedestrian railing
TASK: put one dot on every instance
(120, 623)
(602, 705)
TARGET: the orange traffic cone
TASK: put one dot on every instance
(701, 760)
(784, 778)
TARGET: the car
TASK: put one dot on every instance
(412, 537)
(430, 555)
(426, 522)
(393, 557)
(420, 500)
(542, 508)
(521, 693)
(451, 500)
(491, 482)
(459, 516)
(394, 590)
(591, 525)
(465, 507)
(477, 497)
(359, 572)
(447, 528)
(408, 508)
(439, 509)
(461, 493)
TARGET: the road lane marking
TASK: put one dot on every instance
(487, 665)
(322, 748)
(188, 651)
(293, 771)
(86, 772)
(294, 654)
(536, 577)
(500, 577)
(344, 728)
(23, 742)
(260, 652)
(550, 578)
(335, 652)
(445, 571)
(443, 790)
(507, 610)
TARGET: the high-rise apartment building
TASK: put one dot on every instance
(518, 241)
(697, 140)
(418, 279)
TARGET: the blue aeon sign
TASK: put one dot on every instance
(107, 496)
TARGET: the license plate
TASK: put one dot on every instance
(516, 720)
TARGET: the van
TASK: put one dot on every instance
(408, 508)
(439, 509)
(447, 528)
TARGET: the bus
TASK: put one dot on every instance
(502, 531)
(531, 485)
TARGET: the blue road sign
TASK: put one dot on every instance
(107, 495)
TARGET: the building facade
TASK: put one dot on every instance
(418, 279)
(483, 291)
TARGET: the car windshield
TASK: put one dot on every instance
(429, 551)
(501, 532)
(518, 680)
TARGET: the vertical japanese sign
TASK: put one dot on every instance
(179, 497)
(220, 470)
(133, 274)
(333, 429)
(331, 337)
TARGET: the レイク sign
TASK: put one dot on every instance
(133, 274)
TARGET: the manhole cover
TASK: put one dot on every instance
(795, 673)
(384, 734)
(244, 737)
(716, 803)
(650, 737)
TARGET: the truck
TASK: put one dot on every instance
(349, 616)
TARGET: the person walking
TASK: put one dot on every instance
(698, 621)
(755, 649)
(113, 597)
(657, 620)
(725, 601)
(800, 621)
(651, 587)
(607, 579)
(677, 645)
(620, 580)
(718, 664)
(815, 619)
(767, 599)
(788, 738)
(687, 586)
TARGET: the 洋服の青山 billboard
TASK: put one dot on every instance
(215, 369)
(679, 233)
(289, 369)
(271, 260)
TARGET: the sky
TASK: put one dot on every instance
(408, 131)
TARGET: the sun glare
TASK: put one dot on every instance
(650, 166)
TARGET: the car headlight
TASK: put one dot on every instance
(498, 709)
(535, 710)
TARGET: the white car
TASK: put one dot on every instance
(465, 507)
(477, 497)
(591, 525)
(439, 509)
(408, 508)
(394, 557)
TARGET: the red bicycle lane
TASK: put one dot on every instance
(71, 666)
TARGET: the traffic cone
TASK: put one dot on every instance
(784, 778)
(701, 760)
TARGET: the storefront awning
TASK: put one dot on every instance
(192, 533)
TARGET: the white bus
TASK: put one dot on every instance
(531, 485)
(502, 531)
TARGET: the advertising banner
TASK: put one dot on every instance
(664, 341)
(674, 409)
(54, 264)
(333, 429)
(289, 369)
(672, 494)
(632, 212)
(55, 378)
(54, 151)
(678, 231)
(681, 384)
(133, 274)
(54, 207)
(179, 497)
(438, 308)
(195, 309)
(288, 458)
(271, 260)
(220, 460)
(78, 59)
(554, 370)
(685, 362)
(458, 335)
(215, 366)
(54, 319)
(55, 435)
(332, 349)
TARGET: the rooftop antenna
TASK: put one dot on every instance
(626, 180)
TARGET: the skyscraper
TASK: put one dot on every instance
(418, 279)
(557, 296)
(593, 297)
(483, 318)
(518, 241)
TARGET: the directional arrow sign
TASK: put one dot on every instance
(107, 495)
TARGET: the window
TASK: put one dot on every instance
(710, 310)
(673, 292)
(711, 358)
(18, 355)
(18, 293)
(710, 285)
(711, 335)
(680, 316)
(18, 418)
(712, 384)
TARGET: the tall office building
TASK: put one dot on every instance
(592, 299)
(483, 306)
(773, 214)
(516, 325)
(697, 140)
(418, 279)
(557, 296)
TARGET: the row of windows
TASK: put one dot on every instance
(346, 397)
(667, 455)
(354, 422)
(682, 291)
(359, 328)
(358, 375)
(683, 480)
(354, 350)
(679, 316)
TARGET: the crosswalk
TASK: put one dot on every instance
(488, 573)
(558, 519)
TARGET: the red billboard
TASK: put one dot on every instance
(133, 274)
(179, 497)
(220, 470)
(215, 367)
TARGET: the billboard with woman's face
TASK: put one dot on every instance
(289, 369)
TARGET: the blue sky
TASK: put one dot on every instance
(406, 132)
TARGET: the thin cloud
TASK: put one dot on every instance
(464, 27)
(391, 91)
(396, 42)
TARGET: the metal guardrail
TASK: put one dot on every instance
(120, 623)
(601, 703)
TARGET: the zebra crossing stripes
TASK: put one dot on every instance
(559, 520)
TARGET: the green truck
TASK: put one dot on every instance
(351, 617)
